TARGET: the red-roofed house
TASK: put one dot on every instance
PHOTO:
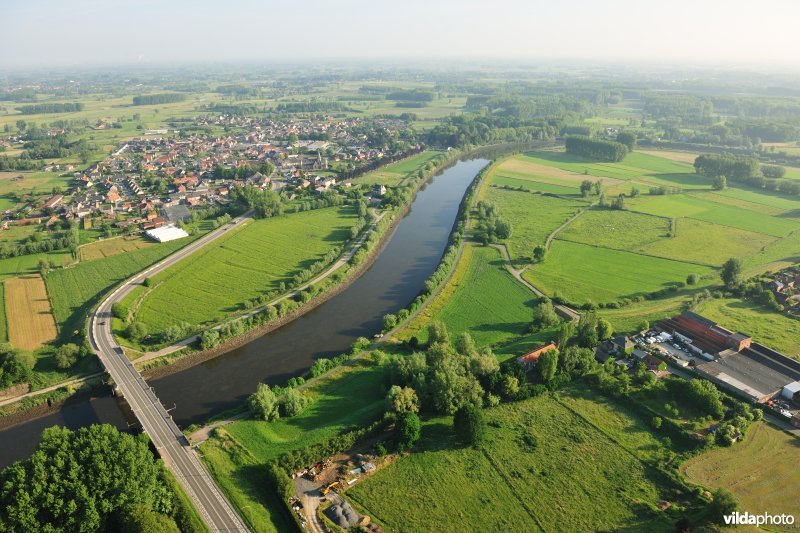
(529, 360)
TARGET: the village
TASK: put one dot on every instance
(156, 180)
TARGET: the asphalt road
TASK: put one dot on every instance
(172, 445)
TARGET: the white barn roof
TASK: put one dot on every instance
(166, 233)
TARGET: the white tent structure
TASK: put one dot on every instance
(166, 233)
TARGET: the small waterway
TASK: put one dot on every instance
(391, 283)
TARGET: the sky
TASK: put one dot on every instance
(84, 33)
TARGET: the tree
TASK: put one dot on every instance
(565, 333)
(509, 387)
(465, 345)
(119, 310)
(409, 429)
(450, 386)
(587, 330)
(692, 279)
(656, 422)
(544, 315)
(731, 273)
(402, 400)
(389, 321)
(483, 364)
(723, 504)
(619, 202)
(136, 331)
(575, 361)
(547, 365)
(67, 355)
(586, 188)
(209, 339)
(75, 481)
(720, 183)
(539, 253)
(469, 424)
(628, 139)
(604, 329)
(291, 402)
(437, 332)
(142, 519)
(15, 365)
(635, 192)
(263, 403)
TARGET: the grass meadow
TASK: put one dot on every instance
(108, 247)
(248, 262)
(548, 463)
(760, 471)
(533, 217)
(394, 174)
(488, 302)
(620, 230)
(580, 272)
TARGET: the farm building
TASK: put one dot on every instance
(530, 359)
(166, 233)
(791, 390)
(733, 360)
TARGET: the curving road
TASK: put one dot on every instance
(172, 445)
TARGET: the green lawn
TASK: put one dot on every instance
(73, 291)
(621, 230)
(771, 329)
(535, 185)
(488, 302)
(569, 465)
(533, 217)
(696, 241)
(242, 265)
(580, 272)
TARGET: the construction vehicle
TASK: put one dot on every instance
(329, 487)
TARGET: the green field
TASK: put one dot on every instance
(760, 471)
(621, 230)
(533, 217)
(780, 254)
(547, 464)
(771, 329)
(73, 291)
(349, 398)
(392, 175)
(534, 185)
(726, 215)
(696, 241)
(242, 265)
(488, 302)
(579, 272)
(636, 166)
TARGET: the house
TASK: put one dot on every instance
(529, 360)
(622, 344)
(53, 201)
(380, 190)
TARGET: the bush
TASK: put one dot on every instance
(409, 429)
(136, 331)
(291, 402)
(67, 355)
(469, 424)
(263, 403)
(119, 310)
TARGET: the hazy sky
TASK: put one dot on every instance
(46, 33)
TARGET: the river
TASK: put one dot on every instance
(391, 283)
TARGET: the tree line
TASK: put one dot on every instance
(36, 109)
(164, 98)
(747, 170)
(583, 146)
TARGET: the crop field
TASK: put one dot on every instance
(772, 329)
(696, 241)
(30, 322)
(488, 302)
(719, 197)
(533, 217)
(246, 263)
(73, 291)
(114, 246)
(726, 215)
(31, 182)
(621, 230)
(788, 205)
(527, 167)
(542, 467)
(579, 272)
(672, 155)
(760, 471)
(396, 172)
